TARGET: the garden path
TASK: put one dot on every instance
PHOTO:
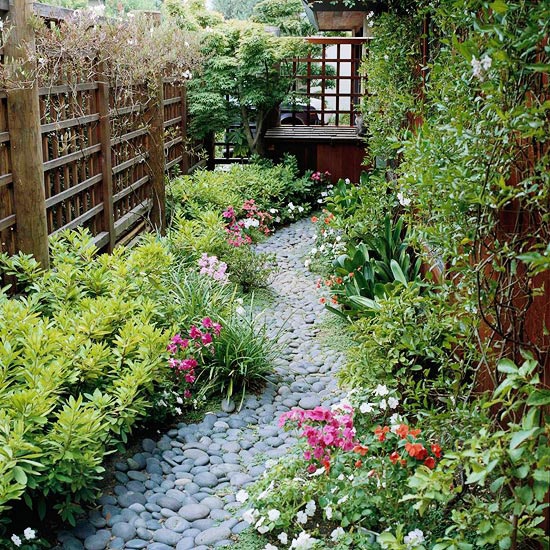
(179, 492)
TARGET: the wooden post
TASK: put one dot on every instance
(103, 101)
(184, 136)
(25, 136)
(157, 160)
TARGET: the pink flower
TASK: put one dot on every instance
(217, 328)
(207, 322)
(195, 333)
(189, 378)
(187, 394)
(206, 338)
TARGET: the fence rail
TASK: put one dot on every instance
(103, 160)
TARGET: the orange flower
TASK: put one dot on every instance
(328, 283)
(361, 450)
(314, 219)
(358, 464)
(327, 220)
(394, 457)
(436, 450)
(339, 280)
(415, 433)
(334, 300)
(430, 462)
(322, 300)
(402, 431)
(381, 432)
(416, 450)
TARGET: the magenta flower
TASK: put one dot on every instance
(187, 394)
(189, 378)
(195, 333)
(217, 328)
(207, 322)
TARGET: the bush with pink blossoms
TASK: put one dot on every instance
(189, 354)
(248, 229)
(325, 430)
(213, 268)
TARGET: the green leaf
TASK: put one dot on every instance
(519, 437)
(499, 6)
(398, 272)
(539, 398)
(20, 475)
(507, 366)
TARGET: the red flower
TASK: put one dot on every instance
(416, 450)
(358, 464)
(415, 433)
(394, 457)
(326, 464)
(436, 450)
(381, 432)
(430, 462)
(402, 431)
(361, 450)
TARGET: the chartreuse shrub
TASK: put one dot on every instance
(83, 358)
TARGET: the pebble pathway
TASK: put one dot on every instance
(179, 492)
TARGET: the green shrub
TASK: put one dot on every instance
(249, 269)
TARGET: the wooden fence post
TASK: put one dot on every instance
(184, 136)
(103, 102)
(157, 159)
(25, 135)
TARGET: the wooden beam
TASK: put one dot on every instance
(25, 134)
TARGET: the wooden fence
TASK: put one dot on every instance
(104, 157)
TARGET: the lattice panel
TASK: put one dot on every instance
(7, 211)
(174, 110)
(71, 148)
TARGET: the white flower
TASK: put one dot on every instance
(303, 541)
(178, 410)
(310, 508)
(486, 62)
(263, 529)
(179, 400)
(381, 390)
(337, 533)
(347, 180)
(291, 206)
(476, 67)
(260, 522)
(414, 538)
(341, 477)
(343, 499)
(300, 209)
(318, 472)
(343, 405)
(270, 547)
(403, 201)
(273, 211)
(366, 408)
(328, 512)
(16, 540)
(301, 517)
(283, 537)
(266, 492)
(307, 263)
(383, 404)
(393, 402)
(277, 219)
(273, 515)
(29, 533)
(250, 516)
(241, 496)
(320, 201)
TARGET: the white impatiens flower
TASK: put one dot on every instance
(266, 492)
(241, 496)
(403, 201)
(273, 211)
(16, 540)
(304, 541)
(250, 516)
(347, 180)
(29, 533)
(337, 533)
(477, 69)
(414, 538)
(310, 508)
(343, 499)
(291, 206)
(383, 404)
(307, 263)
(393, 402)
(273, 515)
(301, 517)
(270, 547)
(328, 512)
(283, 537)
(486, 62)
(381, 390)
(366, 408)
(263, 529)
